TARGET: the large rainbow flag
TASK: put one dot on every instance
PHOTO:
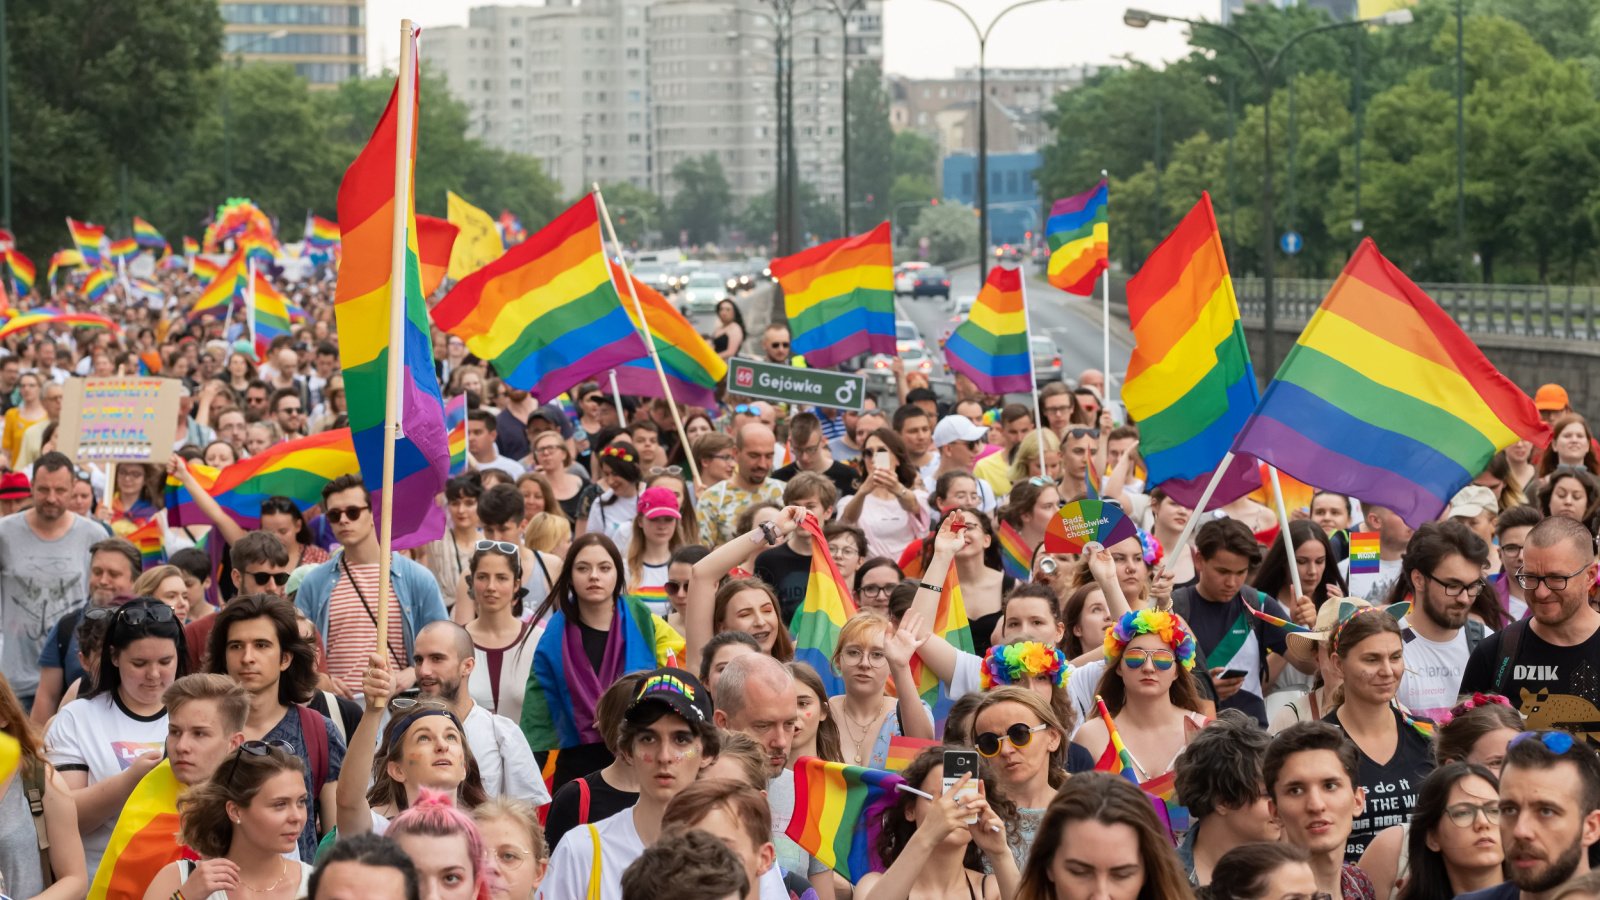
(295, 469)
(1384, 398)
(839, 297)
(146, 235)
(838, 813)
(991, 346)
(361, 306)
(45, 315)
(144, 839)
(271, 317)
(693, 369)
(22, 272)
(435, 240)
(828, 605)
(1190, 385)
(949, 622)
(1078, 233)
(547, 313)
(87, 238)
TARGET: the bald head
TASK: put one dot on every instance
(444, 630)
(750, 673)
(754, 445)
(444, 660)
(757, 695)
(1568, 534)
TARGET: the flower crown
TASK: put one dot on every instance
(1171, 629)
(1016, 663)
(1149, 547)
(618, 453)
(1473, 702)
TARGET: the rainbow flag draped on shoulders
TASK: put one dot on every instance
(547, 313)
(144, 839)
(838, 813)
(367, 211)
(295, 469)
(949, 622)
(839, 297)
(692, 368)
(1384, 398)
(1190, 385)
(1078, 233)
(991, 346)
(828, 605)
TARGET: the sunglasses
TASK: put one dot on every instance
(776, 344)
(1161, 659)
(353, 513)
(1080, 432)
(505, 547)
(675, 588)
(262, 579)
(134, 615)
(258, 749)
(595, 398)
(1020, 735)
(745, 409)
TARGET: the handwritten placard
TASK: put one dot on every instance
(119, 419)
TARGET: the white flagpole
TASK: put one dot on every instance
(1171, 560)
(1105, 303)
(1283, 529)
(1033, 373)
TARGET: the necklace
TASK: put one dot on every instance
(283, 872)
(866, 727)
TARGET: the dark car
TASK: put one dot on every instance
(931, 282)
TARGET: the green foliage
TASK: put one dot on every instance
(700, 205)
(950, 229)
(819, 220)
(635, 211)
(871, 142)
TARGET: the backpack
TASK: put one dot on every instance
(314, 729)
(32, 776)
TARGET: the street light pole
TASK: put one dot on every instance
(227, 124)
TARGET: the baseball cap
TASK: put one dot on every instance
(553, 414)
(14, 486)
(1551, 397)
(1469, 502)
(954, 428)
(679, 691)
(656, 502)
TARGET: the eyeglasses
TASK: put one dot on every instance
(510, 859)
(353, 513)
(1081, 432)
(1020, 735)
(876, 590)
(1455, 589)
(262, 579)
(1161, 659)
(256, 748)
(675, 588)
(777, 345)
(1510, 549)
(1464, 814)
(1557, 742)
(547, 448)
(852, 656)
(290, 410)
(725, 457)
(505, 547)
(844, 551)
(674, 471)
(1553, 582)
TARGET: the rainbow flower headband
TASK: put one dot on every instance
(1171, 629)
(1019, 662)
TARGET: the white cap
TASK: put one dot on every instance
(954, 428)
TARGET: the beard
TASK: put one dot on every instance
(1555, 872)
(1445, 615)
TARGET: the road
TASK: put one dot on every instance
(1072, 323)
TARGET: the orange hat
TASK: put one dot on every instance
(1551, 397)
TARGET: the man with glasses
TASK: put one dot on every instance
(1511, 529)
(1078, 446)
(260, 566)
(290, 413)
(808, 446)
(1446, 562)
(1548, 663)
(751, 483)
(787, 567)
(1055, 400)
(113, 565)
(775, 344)
(341, 596)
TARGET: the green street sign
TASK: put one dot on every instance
(787, 384)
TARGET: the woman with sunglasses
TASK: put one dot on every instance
(890, 506)
(104, 744)
(1029, 508)
(1021, 737)
(553, 459)
(1100, 840)
(244, 823)
(868, 653)
(280, 517)
(503, 639)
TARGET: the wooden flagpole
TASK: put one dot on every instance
(1039, 424)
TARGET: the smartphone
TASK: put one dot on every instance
(956, 764)
(1235, 673)
(880, 460)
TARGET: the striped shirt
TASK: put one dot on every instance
(352, 633)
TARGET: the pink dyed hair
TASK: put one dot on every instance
(435, 815)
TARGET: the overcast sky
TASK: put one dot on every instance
(922, 38)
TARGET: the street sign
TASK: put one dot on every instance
(1291, 242)
(1357, 225)
(788, 384)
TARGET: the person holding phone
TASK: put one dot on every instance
(890, 506)
(1021, 737)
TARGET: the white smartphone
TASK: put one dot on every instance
(880, 460)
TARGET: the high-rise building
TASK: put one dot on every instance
(326, 42)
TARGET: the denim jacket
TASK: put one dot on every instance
(414, 586)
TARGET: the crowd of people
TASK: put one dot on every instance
(590, 685)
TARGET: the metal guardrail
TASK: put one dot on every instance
(1555, 312)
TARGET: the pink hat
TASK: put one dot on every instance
(657, 502)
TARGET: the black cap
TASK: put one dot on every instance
(553, 414)
(678, 690)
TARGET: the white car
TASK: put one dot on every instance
(907, 337)
(905, 277)
(702, 291)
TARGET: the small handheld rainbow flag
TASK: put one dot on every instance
(455, 424)
(950, 623)
(205, 271)
(838, 813)
(1363, 553)
(271, 314)
(904, 749)
(146, 235)
(1091, 481)
(61, 258)
(828, 605)
(1015, 554)
(123, 250)
(1077, 232)
(320, 232)
(87, 239)
(191, 247)
(151, 543)
(1285, 624)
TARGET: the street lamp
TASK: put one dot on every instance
(1268, 68)
(227, 130)
(982, 34)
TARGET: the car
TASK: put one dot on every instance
(653, 274)
(916, 359)
(905, 277)
(964, 305)
(702, 291)
(930, 282)
(679, 278)
(1008, 253)
(1046, 360)
(906, 337)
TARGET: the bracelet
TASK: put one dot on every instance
(771, 533)
(177, 895)
(924, 584)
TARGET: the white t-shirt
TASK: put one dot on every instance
(102, 737)
(1433, 671)
(1081, 686)
(505, 761)
(967, 676)
(572, 864)
(1372, 588)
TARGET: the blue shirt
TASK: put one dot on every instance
(50, 655)
(289, 731)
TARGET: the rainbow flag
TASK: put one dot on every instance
(455, 424)
(95, 286)
(693, 369)
(1091, 481)
(367, 214)
(828, 605)
(1364, 553)
(949, 622)
(654, 598)
(435, 240)
(217, 298)
(1162, 790)
(191, 247)
(1384, 398)
(87, 239)
(838, 813)
(1016, 557)
(264, 249)
(1077, 232)
(904, 749)
(144, 840)
(147, 289)
(62, 258)
(991, 346)
(123, 250)
(1296, 493)
(146, 235)
(45, 315)
(1284, 624)
(205, 271)
(547, 313)
(839, 297)
(22, 272)
(320, 232)
(271, 316)
(295, 469)
(151, 543)
(1189, 385)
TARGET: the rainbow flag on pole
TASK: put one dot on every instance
(95, 286)
(144, 840)
(191, 247)
(547, 313)
(838, 813)
(1190, 385)
(146, 235)
(87, 238)
(151, 543)
(1385, 398)
(455, 425)
(839, 297)
(1162, 790)
(123, 250)
(271, 317)
(828, 605)
(693, 369)
(22, 272)
(991, 346)
(436, 238)
(367, 211)
(320, 232)
(60, 259)
(205, 271)
(217, 298)
(1078, 233)
(295, 469)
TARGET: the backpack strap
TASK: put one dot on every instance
(335, 714)
(1475, 632)
(1510, 638)
(594, 865)
(315, 731)
(33, 774)
(583, 800)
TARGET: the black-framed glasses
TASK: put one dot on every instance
(876, 590)
(1553, 582)
(1472, 589)
(1462, 815)
(255, 748)
(1510, 549)
(339, 514)
(1020, 735)
(505, 547)
(158, 613)
(262, 579)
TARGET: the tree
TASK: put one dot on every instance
(702, 202)
(950, 230)
(636, 212)
(819, 220)
(871, 142)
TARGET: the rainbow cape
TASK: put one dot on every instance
(1384, 398)
(828, 605)
(22, 272)
(146, 235)
(1162, 789)
(1077, 232)
(455, 425)
(87, 238)
(692, 368)
(94, 287)
(839, 297)
(295, 469)
(991, 346)
(950, 623)
(1016, 556)
(838, 813)
(144, 840)
(45, 315)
